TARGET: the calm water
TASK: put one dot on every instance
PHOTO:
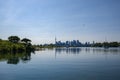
(62, 64)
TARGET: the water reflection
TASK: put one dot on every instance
(68, 50)
(114, 51)
(15, 58)
(78, 50)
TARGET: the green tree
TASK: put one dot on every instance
(25, 40)
(14, 39)
(114, 44)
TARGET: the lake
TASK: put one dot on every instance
(62, 64)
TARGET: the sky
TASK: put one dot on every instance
(42, 20)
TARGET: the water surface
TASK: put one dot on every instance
(62, 64)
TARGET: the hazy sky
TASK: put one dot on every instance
(42, 20)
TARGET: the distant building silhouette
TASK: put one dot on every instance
(73, 43)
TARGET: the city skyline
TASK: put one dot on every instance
(42, 20)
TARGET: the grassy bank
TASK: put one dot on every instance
(9, 46)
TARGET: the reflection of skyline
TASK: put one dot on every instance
(88, 50)
(77, 50)
(15, 58)
(68, 50)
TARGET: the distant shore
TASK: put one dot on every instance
(98, 44)
(15, 44)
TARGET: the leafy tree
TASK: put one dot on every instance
(114, 44)
(14, 39)
(98, 45)
(25, 40)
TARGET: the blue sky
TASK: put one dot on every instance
(42, 20)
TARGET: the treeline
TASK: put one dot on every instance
(39, 47)
(108, 44)
(15, 45)
(97, 44)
